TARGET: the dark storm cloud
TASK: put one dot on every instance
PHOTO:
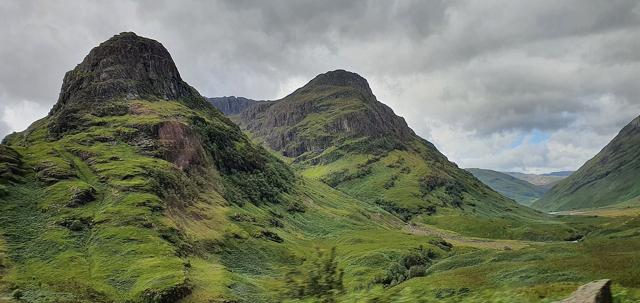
(472, 76)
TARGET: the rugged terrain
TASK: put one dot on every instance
(610, 178)
(517, 189)
(231, 105)
(136, 189)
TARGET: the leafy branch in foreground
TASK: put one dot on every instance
(320, 278)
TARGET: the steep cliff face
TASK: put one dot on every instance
(333, 109)
(124, 67)
(232, 105)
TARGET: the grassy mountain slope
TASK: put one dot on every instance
(609, 178)
(514, 188)
(334, 129)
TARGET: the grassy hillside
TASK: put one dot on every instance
(609, 178)
(521, 191)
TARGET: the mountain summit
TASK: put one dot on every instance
(334, 109)
(126, 66)
(341, 78)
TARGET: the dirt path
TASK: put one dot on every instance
(460, 240)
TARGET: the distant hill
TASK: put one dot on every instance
(611, 177)
(231, 105)
(564, 173)
(546, 181)
(519, 190)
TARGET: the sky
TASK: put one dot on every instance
(529, 86)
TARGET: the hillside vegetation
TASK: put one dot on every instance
(519, 190)
(609, 178)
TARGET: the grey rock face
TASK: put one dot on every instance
(344, 78)
(231, 105)
(593, 292)
(126, 67)
(333, 106)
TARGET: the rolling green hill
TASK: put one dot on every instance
(521, 191)
(609, 178)
(135, 189)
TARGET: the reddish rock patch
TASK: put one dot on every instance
(183, 147)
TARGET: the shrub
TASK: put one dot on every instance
(412, 264)
(320, 278)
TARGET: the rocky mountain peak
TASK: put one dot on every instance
(342, 78)
(125, 66)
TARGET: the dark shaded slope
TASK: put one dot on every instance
(611, 177)
(232, 105)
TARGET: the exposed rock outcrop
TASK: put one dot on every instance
(593, 292)
(333, 107)
(125, 67)
(231, 105)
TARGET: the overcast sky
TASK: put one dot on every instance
(532, 86)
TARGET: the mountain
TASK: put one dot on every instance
(519, 190)
(564, 173)
(611, 177)
(231, 105)
(546, 181)
(134, 188)
(334, 109)
(333, 129)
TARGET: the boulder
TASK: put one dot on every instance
(594, 292)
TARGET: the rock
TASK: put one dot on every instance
(593, 292)
(331, 108)
(124, 67)
(232, 105)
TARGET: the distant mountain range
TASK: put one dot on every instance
(524, 188)
(611, 177)
(517, 189)
(543, 180)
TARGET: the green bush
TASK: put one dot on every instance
(412, 264)
(319, 278)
